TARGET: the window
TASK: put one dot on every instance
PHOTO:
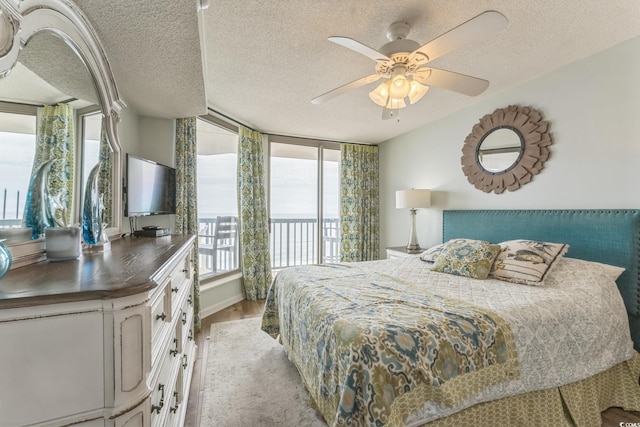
(17, 145)
(18, 129)
(217, 199)
(91, 127)
(304, 192)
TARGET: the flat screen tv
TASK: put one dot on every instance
(150, 188)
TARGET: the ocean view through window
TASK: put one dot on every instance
(217, 199)
(303, 193)
(17, 145)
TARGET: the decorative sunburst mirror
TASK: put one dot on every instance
(505, 149)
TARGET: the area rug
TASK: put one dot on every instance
(251, 382)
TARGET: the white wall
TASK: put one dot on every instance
(149, 138)
(593, 107)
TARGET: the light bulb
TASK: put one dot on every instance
(399, 87)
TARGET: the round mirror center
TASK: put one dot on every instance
(500, 150)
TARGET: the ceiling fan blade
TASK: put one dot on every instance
(360, 48)
(345, 88)
(449, 80)
(473, 30)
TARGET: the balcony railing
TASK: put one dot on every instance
(293, 241)
(9, 216)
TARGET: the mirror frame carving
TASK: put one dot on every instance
(533, 132)
(21, 19)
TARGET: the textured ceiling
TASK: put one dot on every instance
(265, 60)
(48, 72)
(154, 50)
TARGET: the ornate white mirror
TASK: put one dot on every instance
(505, 149)
(50, 55)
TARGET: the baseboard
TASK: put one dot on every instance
(218, 294)
(220, 305)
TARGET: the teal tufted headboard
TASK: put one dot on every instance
(610, 236)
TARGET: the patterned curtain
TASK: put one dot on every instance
(186, 195)
(359, 233)
(105, 178)
(254, 222)
(55, 140)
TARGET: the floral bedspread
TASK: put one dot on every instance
(372, 349)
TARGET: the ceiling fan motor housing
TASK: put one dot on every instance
(398, 42)
(398, 31)
(399, 46)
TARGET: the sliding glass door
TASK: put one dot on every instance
(330, 205)
(303, 194)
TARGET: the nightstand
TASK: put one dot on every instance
(400, 252)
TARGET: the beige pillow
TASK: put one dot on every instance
(526, 261)
(465, 257)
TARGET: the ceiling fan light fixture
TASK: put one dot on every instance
(417, 91)
(380, 95)
(396, 103)
(399, 87)
(403, 63)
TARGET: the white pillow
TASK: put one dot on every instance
(432, 253)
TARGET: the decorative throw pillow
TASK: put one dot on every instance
(432, 253)
(464, 257)
(526, 261)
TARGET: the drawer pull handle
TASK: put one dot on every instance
(184, 364)
(174, 408)
(190, 335)
(184, 318)
(161, 316)
(190, 300)
(174, 352)
(175, 289)
(184, 270)
(160, 404)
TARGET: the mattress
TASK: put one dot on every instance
(572, 328)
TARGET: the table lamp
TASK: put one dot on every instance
(413, 199)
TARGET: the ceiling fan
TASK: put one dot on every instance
(404, 64)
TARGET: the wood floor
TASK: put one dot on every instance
(246, 309)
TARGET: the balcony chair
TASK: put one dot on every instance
(223, 244)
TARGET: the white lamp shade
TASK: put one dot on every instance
(395, 103)
(413, 199)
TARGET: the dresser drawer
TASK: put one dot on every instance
(160, 313)
(180, 281)
(176, 410)
(164, 385)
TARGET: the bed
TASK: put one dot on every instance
(393, 343)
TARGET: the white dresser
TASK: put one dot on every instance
(106, 340)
